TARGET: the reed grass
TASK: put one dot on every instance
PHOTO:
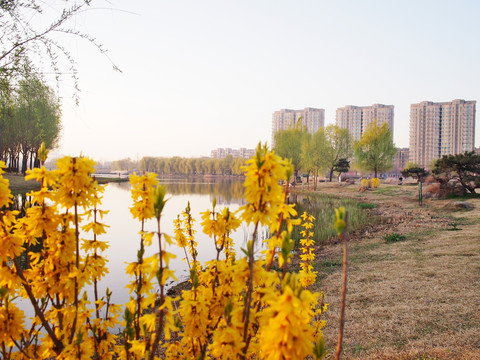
(322, 206)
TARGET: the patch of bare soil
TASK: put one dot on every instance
(413, 299)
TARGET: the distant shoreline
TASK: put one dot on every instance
(18, 184)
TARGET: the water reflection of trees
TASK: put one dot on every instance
(225, 191)
(18, 203)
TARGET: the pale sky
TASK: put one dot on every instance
(198, 75)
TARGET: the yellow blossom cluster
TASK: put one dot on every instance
(307, 255)
(185, 235)
(219, 226)
(371, 183)
(239, 306)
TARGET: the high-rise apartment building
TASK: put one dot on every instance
(357, 118)
(438, 129)
(400, 159)
(313, 119)
(221, 153)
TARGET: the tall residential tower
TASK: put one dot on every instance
(357, 118)
(438, 129)
(313, 119)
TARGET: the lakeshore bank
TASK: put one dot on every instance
(19, 185)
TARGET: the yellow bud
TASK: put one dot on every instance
(288, 169)
(42, 153)
(339, 222)
(159, 200)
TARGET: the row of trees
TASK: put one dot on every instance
(182, 166)
(331, 149)
(29, 115)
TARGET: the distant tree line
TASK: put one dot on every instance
(182, 166)
(29, 115)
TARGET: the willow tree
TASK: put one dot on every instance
(324, 149)
(375, 150)
(313, 154)
(288, 144)
(37, 113)
(8, 132)
(338, 146)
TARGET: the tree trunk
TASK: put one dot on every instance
(31, 160)
(466, 186)
(24, 163)
(15, 163)
(331, 174)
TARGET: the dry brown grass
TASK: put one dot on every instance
(414, 299)
(391, 181)
(434, 189)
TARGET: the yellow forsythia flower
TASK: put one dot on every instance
(307, 255)
(375, 182)
(339, 222)
(287, 333)
(143, 191)
(11, 322)
(263, 192)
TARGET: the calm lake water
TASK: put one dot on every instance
(124, 240)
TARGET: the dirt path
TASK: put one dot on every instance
(413, 299)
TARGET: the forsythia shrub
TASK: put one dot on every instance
(366, 183)
(238, 306)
